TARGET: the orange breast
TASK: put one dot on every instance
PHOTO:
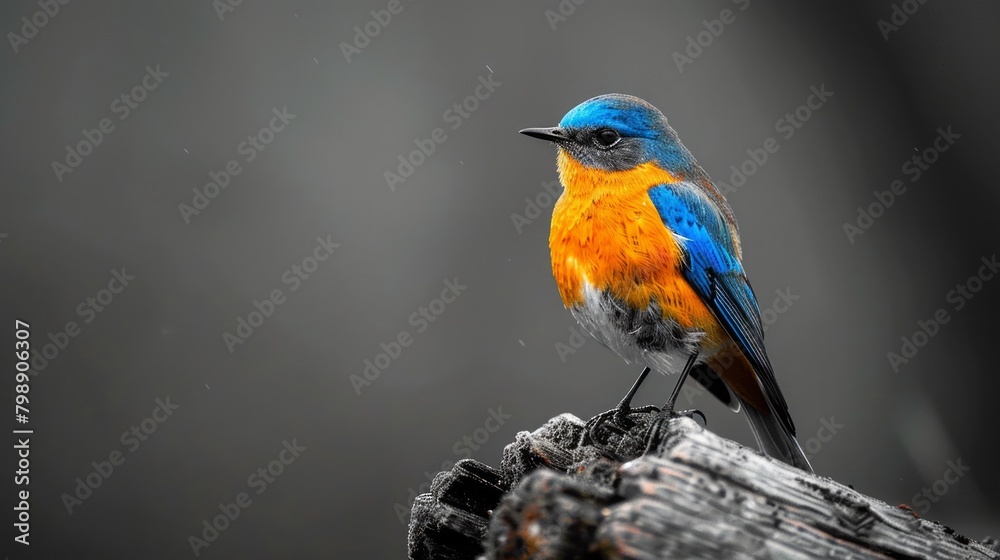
(607, 232)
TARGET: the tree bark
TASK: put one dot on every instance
(566, 492)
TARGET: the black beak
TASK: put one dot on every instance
(554, 134)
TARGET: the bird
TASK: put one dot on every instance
(646, 255)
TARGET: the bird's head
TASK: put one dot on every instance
(616, 132)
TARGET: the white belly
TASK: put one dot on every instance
(639, 337)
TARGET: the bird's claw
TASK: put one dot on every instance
(653, 437)
(615, 420)
(691, 413)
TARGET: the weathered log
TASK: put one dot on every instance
(562, 494)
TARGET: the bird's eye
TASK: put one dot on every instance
(607, 137)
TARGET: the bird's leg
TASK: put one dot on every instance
(618, 416)
(668, 409)
(621, 411)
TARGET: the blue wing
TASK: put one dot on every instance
(716, 274)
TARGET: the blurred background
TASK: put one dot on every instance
(221, 332)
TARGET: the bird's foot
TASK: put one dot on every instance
(612, 426)
(666, 414)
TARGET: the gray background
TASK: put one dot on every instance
(495, 346)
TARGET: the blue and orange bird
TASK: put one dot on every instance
(646, 255)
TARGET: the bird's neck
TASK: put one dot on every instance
(592, 183)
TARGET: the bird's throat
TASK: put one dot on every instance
(581, 180)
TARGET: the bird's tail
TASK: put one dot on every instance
(774, 439)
